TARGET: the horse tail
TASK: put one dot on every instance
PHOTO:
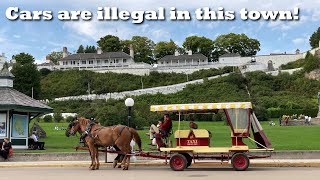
(136, 137)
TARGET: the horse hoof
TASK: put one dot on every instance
(115, 164)
(125, 168)
(119, 166)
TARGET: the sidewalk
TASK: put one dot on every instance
(253, 163)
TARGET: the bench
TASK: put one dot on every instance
(32, 145)
(10, 151)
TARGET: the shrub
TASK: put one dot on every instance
(277, 112)
(47, 118)
(69, 119)
(312, 62)
(261, 113)
(57, 117)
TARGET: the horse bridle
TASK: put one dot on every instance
(70, 126)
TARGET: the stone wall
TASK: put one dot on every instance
(163, 89)
(277, 60)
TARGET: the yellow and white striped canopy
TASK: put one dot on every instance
(200, 107)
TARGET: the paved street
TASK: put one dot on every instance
(159, 173)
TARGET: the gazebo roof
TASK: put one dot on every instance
(5, 73)
(12, 99)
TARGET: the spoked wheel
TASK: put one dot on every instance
(178, 162)
(240, 161)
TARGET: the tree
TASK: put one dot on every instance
(199, 44)
(125, 46)
(181, 50)
(110, 43)
(55, 56)
(47, 118)
(80, 49)
(143, 48)
(163, 48)
(44, 72)
(57, 117)
(235, 43)
(27, 76)
(90, 49)
(311, 63)
(23, 58)
(315, 38)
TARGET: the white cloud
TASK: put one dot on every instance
(16, 36)
(160, 35)
(93, 30)
(299, 41)
(286, 25)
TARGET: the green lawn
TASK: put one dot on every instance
(281, 137)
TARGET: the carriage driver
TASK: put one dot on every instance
(162, 131)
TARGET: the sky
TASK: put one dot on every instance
(41, 37)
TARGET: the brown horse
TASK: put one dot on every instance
(100, 136)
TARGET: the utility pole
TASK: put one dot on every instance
(141, 83)
(32, 92)
(89, 88)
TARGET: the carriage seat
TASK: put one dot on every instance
(164, 136)
(167, 133)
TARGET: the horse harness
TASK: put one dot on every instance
(88, 130)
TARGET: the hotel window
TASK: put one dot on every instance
(117, 61)
(124, 60)
(83, 62)
(98, 62)
(90, 61)
(106, 61)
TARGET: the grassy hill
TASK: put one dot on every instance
(272, 96)
(75, 82)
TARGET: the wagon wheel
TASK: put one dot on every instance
(189, 159)
(240, 161)
(178, 162)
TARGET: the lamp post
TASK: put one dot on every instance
(129, 102)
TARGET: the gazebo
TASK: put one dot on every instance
(16, 111)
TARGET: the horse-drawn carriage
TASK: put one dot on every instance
(194, 144)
